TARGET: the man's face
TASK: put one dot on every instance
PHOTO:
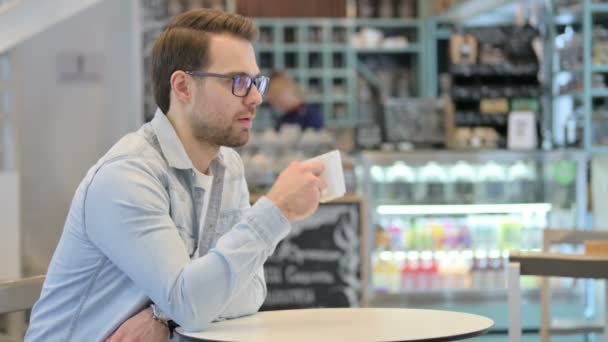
(218, 116)
(279, 97)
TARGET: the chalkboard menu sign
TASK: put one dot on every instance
(320, 263)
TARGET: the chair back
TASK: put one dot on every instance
(571, 236)
(20, 295)
(556, 237)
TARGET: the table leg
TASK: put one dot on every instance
(514, 298)
(545, 313)
(605, 310)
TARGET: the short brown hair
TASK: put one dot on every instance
(183, 45)
(280, 81)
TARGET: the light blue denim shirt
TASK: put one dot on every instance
(130, 238)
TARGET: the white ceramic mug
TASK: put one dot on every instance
(333, 175)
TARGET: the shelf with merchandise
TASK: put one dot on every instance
(472, 296)
(462, 211)
(599, 68)
(599, 92)
(458, 272)
(459, 240)
(573, 71)
(571, 17)
(386, 22)
(575, 93)
(587, 35)
(316, 53)
(325, 57)
(482, 73)
(465, 11)
(389, 50)
(599, 7)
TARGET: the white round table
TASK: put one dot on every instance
(346, 324)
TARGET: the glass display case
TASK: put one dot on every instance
(444, 222)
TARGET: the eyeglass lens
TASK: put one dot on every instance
(242, 84)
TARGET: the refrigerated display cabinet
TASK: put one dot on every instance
(441, 224)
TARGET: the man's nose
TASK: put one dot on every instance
(254, 98)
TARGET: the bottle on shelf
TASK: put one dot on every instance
(428, 276)
(510, 233)
(479, 270)
(395, 232)
(410, 272)
(522, 182)
(446, 271)
(394, 273)
(496, 273)
(378, 180)
(437, 233)
(432, 183)
(467, 261)
(454, 270)
(401, 180)
(492, 183)
(406, 9)
(366, 9)
(532, 231)
(385, 9)
(386, 269)
(464, 236)
(462, 176)
(379, 275)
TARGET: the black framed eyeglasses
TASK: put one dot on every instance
(241, 83)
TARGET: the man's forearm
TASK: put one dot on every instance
(248, 301)
(245, 303)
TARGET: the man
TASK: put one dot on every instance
(161, 227)
(286, 96)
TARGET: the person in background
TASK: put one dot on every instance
(285, 96)
(160, 231)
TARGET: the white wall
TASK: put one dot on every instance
(64, 127)
(10, 266)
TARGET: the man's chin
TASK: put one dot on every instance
(238, 141)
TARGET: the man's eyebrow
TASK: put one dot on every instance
(235, 73)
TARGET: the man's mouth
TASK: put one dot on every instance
(246, 121)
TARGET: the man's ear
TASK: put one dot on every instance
(182, 86)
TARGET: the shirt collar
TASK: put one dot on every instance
(171, 146)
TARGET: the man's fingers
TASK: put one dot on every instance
(314, 166)
(322, 184)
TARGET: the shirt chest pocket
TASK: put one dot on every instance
(227, 220)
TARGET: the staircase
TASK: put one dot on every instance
(21, 19)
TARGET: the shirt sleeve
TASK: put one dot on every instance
(126, 216)
(314, 117)
(249, 300)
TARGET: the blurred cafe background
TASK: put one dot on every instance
(467, 128)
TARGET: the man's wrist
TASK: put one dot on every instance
(158, 316)
(281, 206)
